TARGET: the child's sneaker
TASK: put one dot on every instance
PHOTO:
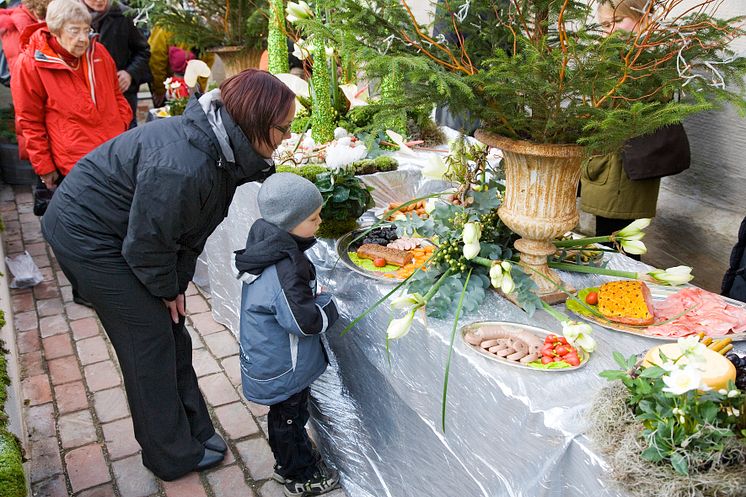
(276, 476)
(323, 481)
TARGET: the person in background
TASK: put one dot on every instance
(167, 59)
(12, 23)
(734, 279)
(65, 91)
(126, 45)
(283, 315)
(607, 188)
(127, 226)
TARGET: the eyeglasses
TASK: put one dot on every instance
(78, 31)
(284, 129)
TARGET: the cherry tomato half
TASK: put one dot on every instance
(379, 262)
(592, 298)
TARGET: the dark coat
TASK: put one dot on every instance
(152, 196)
(126, 44)
(282, 315)
(734, 281)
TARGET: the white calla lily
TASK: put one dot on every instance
(408, 301)
(302, 49)
(673, 276)
(399, 141)
(471, 250)
(400, 327)
(430, 205)
(471, 233)
(299, 10)
(633, 228)
(357, 98)
(195, 69)
(680, 381)
(435, 168)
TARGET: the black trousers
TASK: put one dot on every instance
(294, 454)
(169, 414)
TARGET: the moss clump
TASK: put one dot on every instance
(309, 171)
(334, 228)
(301, 122)
(12, 480)
(380, 164)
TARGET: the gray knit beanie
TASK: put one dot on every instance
(286, 200)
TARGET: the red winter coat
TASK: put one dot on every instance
(12, 23)
(62, 116)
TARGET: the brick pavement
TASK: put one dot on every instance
(80, 431)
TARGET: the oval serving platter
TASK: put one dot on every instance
(540, 332)
(342, 246)
(658, 293)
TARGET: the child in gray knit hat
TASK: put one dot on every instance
(282, 317)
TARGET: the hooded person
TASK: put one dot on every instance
(127, 226)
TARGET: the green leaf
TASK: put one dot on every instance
(652, 372)
(680, 463)
(652, 454)
(341, 194)
(613, 374)
(620, 359)
(450, 351)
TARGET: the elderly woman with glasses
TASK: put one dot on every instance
(127, 226)
(65, 91)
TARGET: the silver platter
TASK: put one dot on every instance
(584, 357)
(343, 243)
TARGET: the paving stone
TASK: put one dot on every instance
(205, 324)
(25, 321)
(46, 290)
(53, 325)
(64, 370)
(48, 275)
(36, 390)
(191, 289)
(61, 278)
(120, 438)
(232, 367)
(271, 489)
(86, 467)
(28, 341)
(42, 261)
(101, 376)
(53, 487)
(84, 328)
(187, 486)
(194, 337)
(204, 363)
(217, 389)
(236, 421)
(40, 422)
(133, 479)
(76, 429)
(67, 293)
(222, 344)
(91, 350)
(263, 425)
(32, 364)
(49, 307)
(23, 302)
(258, 457)
(45, 459)
(13, 247)
(35, 249)
(257, 410)
(23, 197)
(57, 346)
(71, 397)
(196, 304)
(102, 491)
(110, 404)
(229, 481)
(77, 311)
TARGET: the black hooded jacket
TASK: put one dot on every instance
(152, 196)
(126, 44)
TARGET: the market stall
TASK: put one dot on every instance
(509, 431)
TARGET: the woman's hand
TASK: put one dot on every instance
(176, 307)
(124, 79)
(50, 180)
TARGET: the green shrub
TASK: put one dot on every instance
(309, 171)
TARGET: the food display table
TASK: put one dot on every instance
(509, 431)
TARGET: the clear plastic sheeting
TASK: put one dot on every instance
(509, 431)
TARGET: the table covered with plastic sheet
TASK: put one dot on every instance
(509, 431)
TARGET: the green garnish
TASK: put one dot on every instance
(368, 265)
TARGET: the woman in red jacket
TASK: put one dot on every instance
(65, 91)
(12, 22)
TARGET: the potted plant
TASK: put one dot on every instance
(346, 198)
(234, 29)
(544, 80)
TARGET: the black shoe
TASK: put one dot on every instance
(215, 443)
(210, 459)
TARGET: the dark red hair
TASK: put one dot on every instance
(256, 100)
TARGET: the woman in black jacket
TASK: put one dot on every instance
(127, 225)
(127, 45)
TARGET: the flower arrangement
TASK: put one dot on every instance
(666, 432)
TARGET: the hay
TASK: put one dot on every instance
(618, 436)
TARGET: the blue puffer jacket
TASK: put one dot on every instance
(282, 316)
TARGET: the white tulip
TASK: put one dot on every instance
(400, 327)
(435, 168)
(471, 250)
(579, 335)
(680, 381)
(673, 276)
(635, 247)
(507, 285)
(633, 228)
(408, 301)
(472, 233)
